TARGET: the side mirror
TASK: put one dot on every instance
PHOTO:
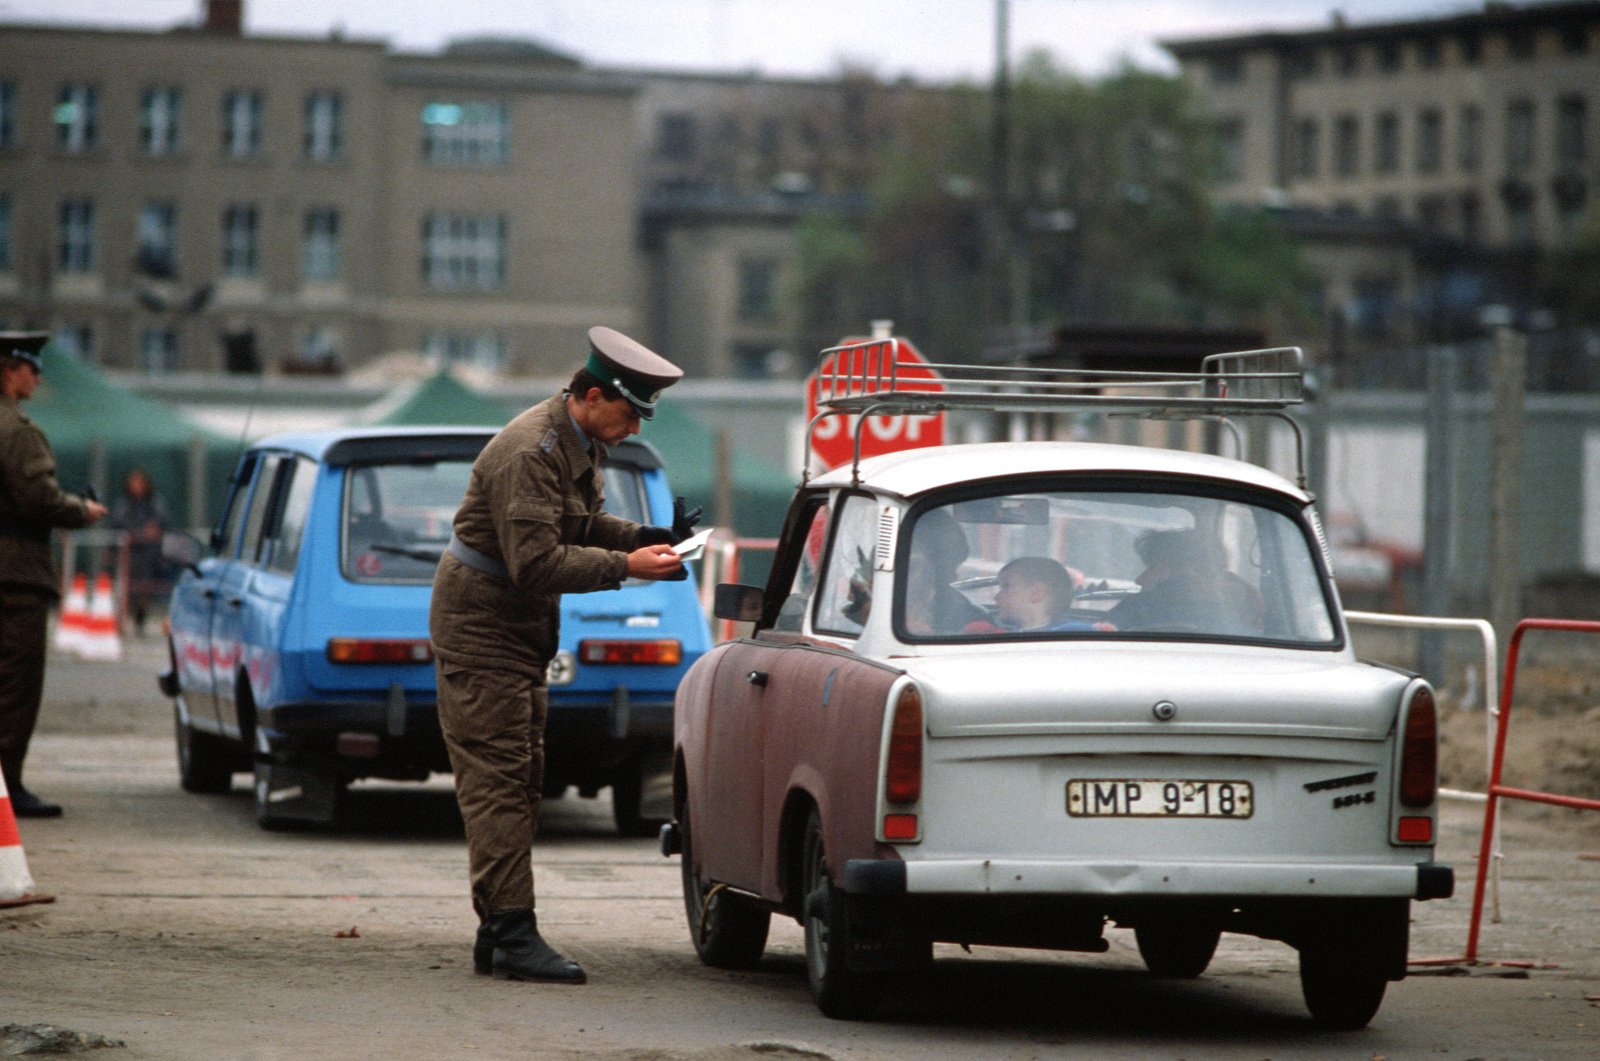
(741, 604)
(181, 549)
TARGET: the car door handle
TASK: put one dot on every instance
(758, 678)
(235, 602)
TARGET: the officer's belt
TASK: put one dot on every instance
(19, 530)
(476, 560)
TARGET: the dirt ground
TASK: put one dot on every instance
(184, 932)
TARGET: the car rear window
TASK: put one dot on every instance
(397, 517)
(1110, 563)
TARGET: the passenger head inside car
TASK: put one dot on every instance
(932, 604)
(1035, 593)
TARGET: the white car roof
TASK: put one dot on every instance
(916, 471)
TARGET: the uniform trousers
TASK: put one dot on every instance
(493, 723)
(24, 621)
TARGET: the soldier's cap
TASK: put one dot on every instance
(28, 346)
(637, 372)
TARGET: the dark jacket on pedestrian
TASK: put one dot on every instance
(31, 503)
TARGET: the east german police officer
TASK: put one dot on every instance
(31, 503)
(531, 528)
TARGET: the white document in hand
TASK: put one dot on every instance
(691, 548)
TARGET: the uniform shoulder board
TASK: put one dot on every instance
(549, 441)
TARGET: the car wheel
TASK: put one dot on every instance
(627, 800)
(205, 765)
(1176, 949)
(729, 931)
(1342, 991)
(838, 991)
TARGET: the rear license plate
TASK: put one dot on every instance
(1108, 797)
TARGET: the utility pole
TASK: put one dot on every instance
(1000, 301)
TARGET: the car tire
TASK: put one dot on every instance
(627, 800)
(729, 931)
(839, 991)
(205, 764)
(1176, 949)
(1342, 991)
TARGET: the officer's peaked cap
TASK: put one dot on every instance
(29, 346)
(638, 372)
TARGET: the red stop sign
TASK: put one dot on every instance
(833, 438)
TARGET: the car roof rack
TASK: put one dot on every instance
(883, 377)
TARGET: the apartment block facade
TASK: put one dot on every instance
(200, 199)
(1472, 140)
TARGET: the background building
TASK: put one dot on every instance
(1428, 162)
(200, 199)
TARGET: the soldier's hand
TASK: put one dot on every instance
(658, 563)
(97, 511)
(684, 518)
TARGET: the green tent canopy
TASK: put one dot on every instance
(441, 399)
(82, 412)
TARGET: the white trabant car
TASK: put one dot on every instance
(1010, 693)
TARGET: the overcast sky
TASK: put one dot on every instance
(928, 39)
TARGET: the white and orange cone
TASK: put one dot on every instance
(101, 638)
(74, 616)
(16, 884)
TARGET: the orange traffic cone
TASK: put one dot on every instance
(101, 639)
(74, 615)
(16, 885)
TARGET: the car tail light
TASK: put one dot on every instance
(1419, 753)
(665, 652)
(380, 650)
(903, 776)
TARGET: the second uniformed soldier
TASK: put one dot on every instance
(531, 528)
(31, 504)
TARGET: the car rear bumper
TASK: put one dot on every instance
(1427, 880)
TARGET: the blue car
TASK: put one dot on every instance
(299, 640)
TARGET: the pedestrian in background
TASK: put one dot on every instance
(31, 504)
(531, 528)
(143, 515)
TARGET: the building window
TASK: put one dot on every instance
(464, 134)
(241, 241)
(319, 346)
(324, 131)
(158, 350)
(1230, 149)
(1470, 45)
(1575, 39)
(321, 251)
(1572, 117)
(160, 118)
(758, 290)
(1347, 146)
(1386, 143)
(7, 248)
(1471, 217)
(1305, 161)
(75, 236)
(675, 137)
(1304, 64)
(1389, 56)
(75, 339)
(77, 118)
(464, 253)
(1469, 149)
(1519, 135)
(1227, 69)
(485, 350)
(1347, 59)
(1430, 141)
(157, 240)
(241, 123)
(8, 114)
(1431, 214)
(1429, 52)
(1520, 43)
(1519, 219)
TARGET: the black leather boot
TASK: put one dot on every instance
(519, 953)
(483, 950)
(25, 804)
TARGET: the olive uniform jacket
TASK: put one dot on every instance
(533, 504)
(31, 503)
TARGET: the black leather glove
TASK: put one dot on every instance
(683, 519)
(677, 576)
(657, 536)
